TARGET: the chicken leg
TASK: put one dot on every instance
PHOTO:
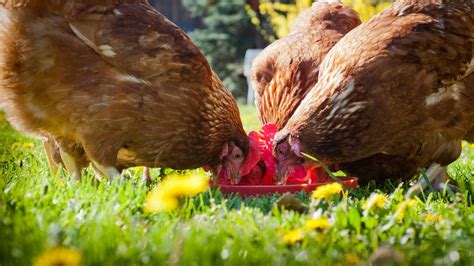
(49, 147)
(146, 176)
(437, 176)
(72, 166)
(109, 172)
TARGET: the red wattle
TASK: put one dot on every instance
(223, 177)
(297, 174)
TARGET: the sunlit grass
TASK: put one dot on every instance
(249, 117)
(106, 224)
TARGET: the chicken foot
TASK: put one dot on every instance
(49, 147)
(72, 166)
(146, 177)
(109, 172)
(437, 176)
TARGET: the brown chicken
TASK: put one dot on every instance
(394, 94)
(115, 83)
(286, 70)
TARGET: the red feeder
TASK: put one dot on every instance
(259, 170)
(261, 190)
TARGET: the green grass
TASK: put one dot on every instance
(249, 117)
(107, 225)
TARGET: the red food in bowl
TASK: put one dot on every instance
(260, 190)
(259, 171)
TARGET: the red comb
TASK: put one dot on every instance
(267, 133)
(261, 151)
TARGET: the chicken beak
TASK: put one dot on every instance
(235, 177)
(281, 173)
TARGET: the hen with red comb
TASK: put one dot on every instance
(259, 167)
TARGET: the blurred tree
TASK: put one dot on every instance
(368, 8)
(176, 12)
(227, 34)
(279, 15)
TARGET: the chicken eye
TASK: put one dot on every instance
(237, 156)
(281, 151)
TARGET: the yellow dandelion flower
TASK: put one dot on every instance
(156, 201)
(403, 206)
(184, 185)
(375, 201)
(165, 197)
(412, 203)
(317, 224)
(433, 218)
(58, 256)
(28, 145)
(16, 145)
(293, 236)
(62, 183)
(352, 259)
(327, 191)
(2, 117)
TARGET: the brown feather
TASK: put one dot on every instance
(286, 70)
(122, 85)
(398, 86)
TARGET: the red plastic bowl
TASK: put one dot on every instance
(250, 191)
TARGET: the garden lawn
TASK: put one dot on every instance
(105, 224)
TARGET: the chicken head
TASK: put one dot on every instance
(232, 158)
(289, 158)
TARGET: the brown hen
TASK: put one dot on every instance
(286, 70)
(394, 94)
(117, 84)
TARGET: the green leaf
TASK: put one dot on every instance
(355, 219)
